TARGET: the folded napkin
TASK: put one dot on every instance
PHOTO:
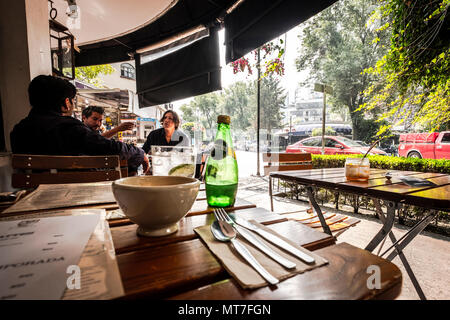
(242, 272)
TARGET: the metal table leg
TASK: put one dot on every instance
(407, 267)
(409, 236)
(401, 244)
(387, 226)
(316, 207)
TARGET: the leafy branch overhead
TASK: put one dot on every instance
(414, 74)
(336, 47)
(271, 60)
(90, 74)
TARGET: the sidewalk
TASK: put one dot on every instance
(428, 254)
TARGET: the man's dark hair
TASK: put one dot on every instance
(49, 93)
(87, 112)
(176, 118)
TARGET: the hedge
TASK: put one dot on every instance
(384, 162)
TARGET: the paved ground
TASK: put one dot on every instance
(428, 254)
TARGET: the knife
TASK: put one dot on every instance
(275, 240)
(261, 246)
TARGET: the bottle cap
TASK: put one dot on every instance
(223, 119)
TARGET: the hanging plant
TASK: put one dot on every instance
(271, 56)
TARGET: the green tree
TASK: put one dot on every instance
(206, 107)
(272, 99)
(187, 114)
(329, 131)
(236, 103)
(188, 127)
(337, 46)
(414, 81)
(90, 74)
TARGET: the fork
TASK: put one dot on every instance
(228, 222)
(230, 235)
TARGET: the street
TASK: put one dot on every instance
(247, 163)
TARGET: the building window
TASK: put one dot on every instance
(127, 71)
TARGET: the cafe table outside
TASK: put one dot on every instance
(180, 266)
(392, 191)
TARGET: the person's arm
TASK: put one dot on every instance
(124, 126)
(76, 138)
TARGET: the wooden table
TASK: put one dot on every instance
(183, 268)
(393, 192)
(180, 266)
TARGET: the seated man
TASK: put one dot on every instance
(50, 129)
(92, 117)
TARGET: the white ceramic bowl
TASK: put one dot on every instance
(156, 203)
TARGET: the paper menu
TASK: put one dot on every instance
(100, 273)
(70, 195)
(35, 254)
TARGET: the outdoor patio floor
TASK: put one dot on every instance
(428, 254)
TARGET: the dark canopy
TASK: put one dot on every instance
(190, 71)
(256, 22)
(184, 15)
(194, 69)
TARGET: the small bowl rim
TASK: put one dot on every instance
(119, 183)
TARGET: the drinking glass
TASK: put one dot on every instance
(357, 168)
(173, 161)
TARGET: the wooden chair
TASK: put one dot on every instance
(302, 161)
(284, 162)
(30, 170)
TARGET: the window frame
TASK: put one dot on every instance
(127, 71)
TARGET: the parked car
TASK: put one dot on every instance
(434, 145)
(364, 144)
(333, 145)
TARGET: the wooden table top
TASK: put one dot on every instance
(339, 280)
(433, 197)
(180, 266)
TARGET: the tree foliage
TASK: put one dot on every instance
(90, 74)
(189, 128)
(329, 131)
(236, 101)
(203, 110)
(271, 60)
(187, 113)
(414, 80)
(336, 47)
(239, 101)
(272, 99)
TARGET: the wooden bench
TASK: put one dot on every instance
(29, 170)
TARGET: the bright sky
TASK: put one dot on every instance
(289, 81)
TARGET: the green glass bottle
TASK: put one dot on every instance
(221, 178)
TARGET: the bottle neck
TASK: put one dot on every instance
(223, 126)
(223, 131)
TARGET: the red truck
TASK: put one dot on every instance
(434, 145)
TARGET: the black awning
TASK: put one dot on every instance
(190, 71)
(184, 15)
(256, 22)
(195, 69)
